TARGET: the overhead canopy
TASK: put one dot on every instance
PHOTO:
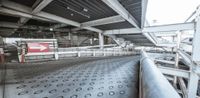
(74, 15)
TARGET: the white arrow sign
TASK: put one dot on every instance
(40, 47)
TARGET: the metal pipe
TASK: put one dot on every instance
(153, 84)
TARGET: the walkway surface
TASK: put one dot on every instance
(109, 77)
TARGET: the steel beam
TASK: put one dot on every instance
(170, 27)
(174, 72)
(31, 27)
(58, 26)
(186, 57)
(148, 36)
(123, 31)
(103, 21)
(117, 7)
(152, 29)
(193, 85)
(196, 41)
(164, 61)
(41, 5)
(144, 8)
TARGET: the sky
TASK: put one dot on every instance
(170, 11)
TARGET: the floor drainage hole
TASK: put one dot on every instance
(43, 81)
(22, 86)
(88, 95)
(111, 87)
(35, 86)
(92, 83)
(66, 90)
(122, 92)
(32, 81)
(81, 84)
(65, 80)
(75, 80)
(23, 93)
(53, 91)
(60, 97)
(71, 84)
(47, 85)
(100, 94)
(101, 88)
(84, 79)
(93, 79)
(79, 89)
(54, 81)
(38, 92)
(59, 85)
(74, 96)
(90, 88)
(111, 93)
(120, 86)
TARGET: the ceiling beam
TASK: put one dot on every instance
(123, 31)
(59, 26)
(170, 27)
(24, 12)
(31, 27)
(153, 29)
(144, 8)
(35, 10)
(103, 21)
(117, 7)
(41, 5)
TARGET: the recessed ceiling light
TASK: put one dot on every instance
(51, 29)
(84, 9)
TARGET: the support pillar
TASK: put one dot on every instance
(196, 40)
(177, 55)
(192, 85)
(1, 55)
(101, 40)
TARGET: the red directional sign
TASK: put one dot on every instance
(38, 47)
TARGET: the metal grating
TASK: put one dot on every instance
(28, 3)
(134, 7)
(74, 9)
(7, 18)
(120, 25)
(137, 39)
(74, 78)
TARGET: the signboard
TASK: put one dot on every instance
(38, 47)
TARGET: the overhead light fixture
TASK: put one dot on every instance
(84, 9)
(78, 12)
(51, 29)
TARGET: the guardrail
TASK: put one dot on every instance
(75, 52)
(153, 84)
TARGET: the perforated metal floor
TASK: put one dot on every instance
(74, 78)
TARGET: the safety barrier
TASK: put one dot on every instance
(153, 84)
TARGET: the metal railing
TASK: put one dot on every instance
(153, 84)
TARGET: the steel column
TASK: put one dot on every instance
(101, 40)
